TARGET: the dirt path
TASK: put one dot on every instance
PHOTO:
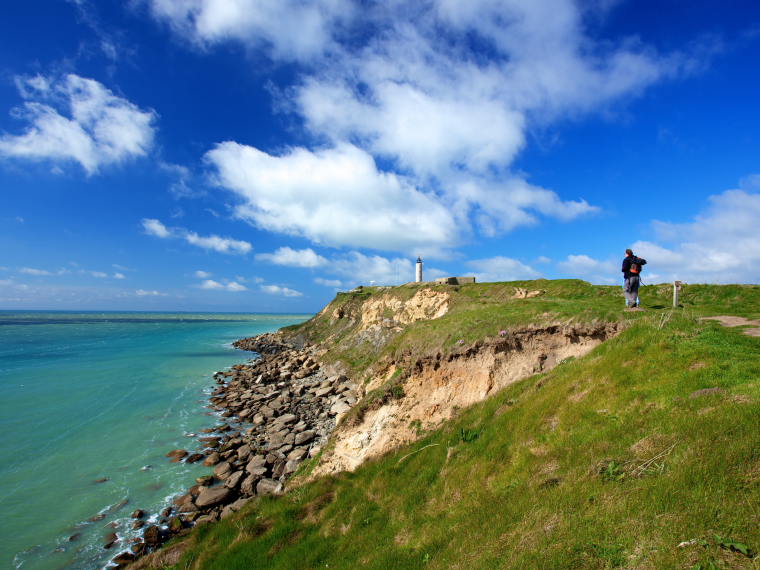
(738, 322)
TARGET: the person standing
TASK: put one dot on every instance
(631, 283)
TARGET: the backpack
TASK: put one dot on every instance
(636, 265)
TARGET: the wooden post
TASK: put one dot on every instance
(676, 287)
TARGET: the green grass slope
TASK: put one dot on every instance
(609, 461)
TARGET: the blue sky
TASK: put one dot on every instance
(241, 155)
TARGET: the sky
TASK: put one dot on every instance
(252, 156)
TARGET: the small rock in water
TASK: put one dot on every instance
(111, 537)
(103, 480)
(138, 514)
(146, 468)
(96, 518)
(75, 536)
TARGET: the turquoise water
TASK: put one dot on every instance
(102, 395)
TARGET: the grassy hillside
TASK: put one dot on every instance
(609, 461)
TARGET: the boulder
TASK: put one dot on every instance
(255, 462)
(239, 504)
(234, 480)
(177, 454)
(152, 535)
(248, 486)
(226, 512)
(181, 500)
(212, 460)
(279, 468)
(276, 441)
(192, 458)
(314, 451)
(123, 558)
(327, 390)
(244, 453)
(214, 496)
(111, 537)
(340, 408)
(268, 486)
(205, 480)
(298, 454)
(222, 471)
(304, 437)
(188, 508)
(138, 514)
(291, 466)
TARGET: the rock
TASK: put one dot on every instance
(244, 453)
(152, 535)
(111, 537)
(255, 462)
(304, 437)
(291, 466)
(234, 480)
(314, 451)
(226, 512)
(327, 390)
(212, 460)
(109, 545)
(177, 454)
(268, 486)
(175, 525)
(248, 487)
(222, 471)
(279, 468)
(181, 500)
(194, 457)
(275, 441)
(123, 558)
(166, 512)
(138, 548)
(75, 536)
(205, 520)
(214, 496)
(138, 514)
(340, 408)
(103, 480)
(188, 507)
(205, 480)
(298, 454)
(239, 504)
(138, 524)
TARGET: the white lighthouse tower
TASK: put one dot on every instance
(418, 273)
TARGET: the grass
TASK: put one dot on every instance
(603, 462)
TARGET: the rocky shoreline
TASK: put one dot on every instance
(275, 411)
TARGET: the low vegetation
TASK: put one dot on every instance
(643, 454)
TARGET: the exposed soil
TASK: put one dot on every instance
(438, 385)
(727, 321)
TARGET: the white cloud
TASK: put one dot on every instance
(220, 244)
(19, 219)
(233, 286)
(293, 257)
(598, 272)
(328, 282)
(201, 274)
(356, 267)
(501, 268)
(277, 290)
(334, 197)
(97, 274)
(143, 292)
(103, 128)
(30, 271)
(543, 259)
(253, 279)
(117, 266)
(4, 269)
(118, 276)
(721, 245)
(155, 228)
(288, 29)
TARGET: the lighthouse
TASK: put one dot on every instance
(418, 272)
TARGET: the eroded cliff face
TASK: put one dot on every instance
(437, 385)
(425, 305)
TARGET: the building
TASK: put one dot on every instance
(454, 280)
(418, 273)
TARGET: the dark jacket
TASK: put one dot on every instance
(627, 267)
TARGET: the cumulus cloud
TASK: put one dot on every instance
(720, 245)
(143, 292)
(233, 286)
(335, 197)
(328, 282)
(293, 257)
(201, 274)
(591, 270)
(30, 271)
(118, 276)
(501, 268)
(220, 244)
(356, 267)
(100, 129)
(289, 29)
(277, 290)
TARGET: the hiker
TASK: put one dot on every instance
(631, 271)
(637, 295)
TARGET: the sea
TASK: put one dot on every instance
(88, 396)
